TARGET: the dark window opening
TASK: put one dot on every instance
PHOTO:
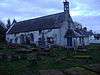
(50, 40)
(97, 38)
(83, 42)
(11, 41)
(27, 40)
(16, 39)
(40, 41)
(69, 41)
(40, 31)
(80, 40)
(22, 39)
(32, 37)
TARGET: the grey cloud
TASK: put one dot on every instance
(26, 9)
(92, 22)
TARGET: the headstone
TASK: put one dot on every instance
(9, 57)
(4, 57)
(15, 57)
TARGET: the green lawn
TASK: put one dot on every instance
(58, 59)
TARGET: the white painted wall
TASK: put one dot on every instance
(57, 34)
(95, 41)
(13, 36)
(92, 40)
(62, 41)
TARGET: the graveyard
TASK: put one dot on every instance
(30, 60)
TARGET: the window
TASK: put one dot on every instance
(40, 31)
(40, 41)
(97, 38)
(22, 40)
(10, 41)
(27, 39)
(16, 39)
(83, 41)
(32, 37)
(69, 41)
(80, 40)
(50, 40)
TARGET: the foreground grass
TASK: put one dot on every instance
(58, 59)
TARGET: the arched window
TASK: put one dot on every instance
(11, 41)
(69, 41)
(40, 32)
(32, 37)
(50, 40)
(28, 39)
(16, 39)
(80, 41)
(22, 40)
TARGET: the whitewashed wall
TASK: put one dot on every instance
(92, 40)
(13, 36)
(57, 34)
(95, 41)
(62, 31)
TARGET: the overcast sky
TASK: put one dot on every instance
(86, 12)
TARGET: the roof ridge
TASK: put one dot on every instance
(41, 17)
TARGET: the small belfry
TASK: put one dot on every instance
(66, 6)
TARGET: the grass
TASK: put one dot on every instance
(58, 59)
(79, 71)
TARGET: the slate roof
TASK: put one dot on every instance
(84, 33)
(77, 33)
(41, 23)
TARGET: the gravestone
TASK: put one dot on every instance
(9, 57)
(15, 57)
(4, 57)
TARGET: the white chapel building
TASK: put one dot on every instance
(55, 29)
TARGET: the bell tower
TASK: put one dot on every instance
(66, 6)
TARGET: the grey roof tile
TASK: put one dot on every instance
(41, 23)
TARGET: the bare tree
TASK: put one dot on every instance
(78, 25)
(2, 32)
